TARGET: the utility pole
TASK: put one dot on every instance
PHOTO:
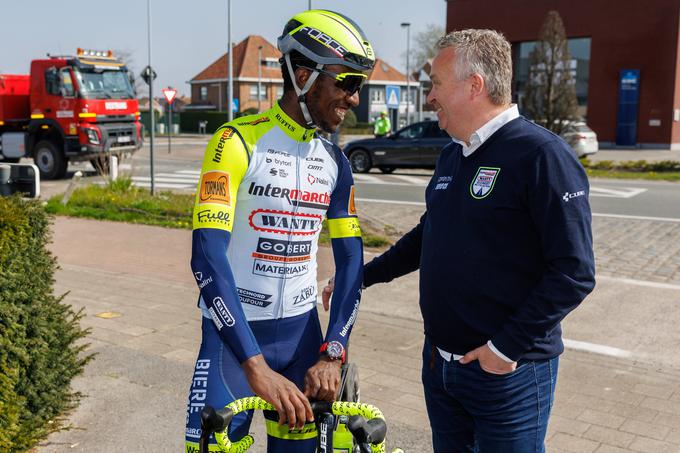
(259, 78)
(407, 25)
(230, 98)
(153, 120)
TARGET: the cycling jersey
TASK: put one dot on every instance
(266, 185)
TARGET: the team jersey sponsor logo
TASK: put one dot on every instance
(221, 314)
(277, 152)
(285, 123)
(283, 251)
(483, 182)
(264, 119)
(351, 207)
(280, 171)
(443, 182)
(285, 222)
(276, 270)
(215, 188)
(208, 215)
(279, 162)
(226, 135)
(315, 167)
(202, 283)
(305, 294)
(314, 159)
(316, 180)
(249, 297)
(199, 389)
(568, 196)
(301, 198)
(324, 39)
(352, 317)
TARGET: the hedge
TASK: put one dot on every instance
(40, 351)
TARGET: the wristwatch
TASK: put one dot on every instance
(334, 350)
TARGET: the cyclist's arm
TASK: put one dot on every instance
(224, 166)
(345, 233)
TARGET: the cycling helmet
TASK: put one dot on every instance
(326, 38)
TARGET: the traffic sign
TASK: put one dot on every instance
(169, 94)
(392, 95)
(148, 74)
(234, 105)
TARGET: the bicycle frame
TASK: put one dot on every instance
(366, 424)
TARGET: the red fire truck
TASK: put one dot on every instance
(70, 108)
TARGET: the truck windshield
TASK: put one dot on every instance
(103, 84)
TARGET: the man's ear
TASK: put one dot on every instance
(477, 85)
(301, 76)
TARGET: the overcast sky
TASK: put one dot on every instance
(188, 35)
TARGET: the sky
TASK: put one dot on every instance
(187, 36)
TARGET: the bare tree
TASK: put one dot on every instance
(126, 57)
(424, 46)
(550, 92)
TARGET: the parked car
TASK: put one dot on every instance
(414, 146)
(581, 138)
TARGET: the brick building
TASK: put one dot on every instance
(625, 56)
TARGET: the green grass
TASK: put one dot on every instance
(665, 170)
(120, 201)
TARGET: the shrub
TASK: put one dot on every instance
(38, 333)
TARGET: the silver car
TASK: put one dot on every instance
(582, 139)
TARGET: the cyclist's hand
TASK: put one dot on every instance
(322, 381)
(326, 294)
(488, 361)
(286, 398)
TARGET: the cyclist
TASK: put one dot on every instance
(267, 182)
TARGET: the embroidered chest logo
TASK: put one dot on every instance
(483, 182)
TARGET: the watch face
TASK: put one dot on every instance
(334, 350)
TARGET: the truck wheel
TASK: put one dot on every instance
(50, 161)
(101, 164)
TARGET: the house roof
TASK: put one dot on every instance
(384, 73)
(245, 60)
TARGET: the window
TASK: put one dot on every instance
(279, 91)
(415, 131)
(253, 92)
(579, 67)
(52, 81)
(271, 62)
(377, 95)
(203, 93)
(67, 83)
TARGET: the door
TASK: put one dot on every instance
(404, 147)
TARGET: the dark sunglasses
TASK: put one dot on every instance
(350, 82)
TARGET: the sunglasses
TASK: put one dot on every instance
(350, 82)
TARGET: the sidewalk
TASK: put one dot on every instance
(136, 387)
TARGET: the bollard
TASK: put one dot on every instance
(113, 168)
(71, 187)
(5, 173)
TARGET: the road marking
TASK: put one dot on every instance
(631, 281)
(162, 185)
(622, 192)
(375, 200)
(596, 348)
(368, 179)
(411, 180)
(636, 217)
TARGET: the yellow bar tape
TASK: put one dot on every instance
(344, 228)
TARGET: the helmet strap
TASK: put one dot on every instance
(301, 93)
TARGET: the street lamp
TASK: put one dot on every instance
(407, 25)
(259, 78)
(153, 121)
(230, 89)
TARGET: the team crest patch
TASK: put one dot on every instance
(483, 182)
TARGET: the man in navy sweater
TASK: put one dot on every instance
(504, 251)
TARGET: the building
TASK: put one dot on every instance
(209, 87)
(625, 56)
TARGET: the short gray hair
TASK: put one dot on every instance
(483, 52)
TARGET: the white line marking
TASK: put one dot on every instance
(375, 200)
(164, 179)
(189, 172)
(178, 176)
(163, 185)
(622, 192)
(596, 348)
(368, 179)
(631, 281)
(636, 217)
(411, 180)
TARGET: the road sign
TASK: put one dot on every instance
(234, 105)
(392, 95)
(148, 74)
(169, 94)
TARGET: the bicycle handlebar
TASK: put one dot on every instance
(372, 430)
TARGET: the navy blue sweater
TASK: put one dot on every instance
(505, 246)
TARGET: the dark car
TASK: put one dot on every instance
(414, 146)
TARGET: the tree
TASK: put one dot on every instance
(550, 93)
(424, 46)
(126, 57)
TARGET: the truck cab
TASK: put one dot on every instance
(80, 107)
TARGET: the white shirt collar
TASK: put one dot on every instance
(487, 130)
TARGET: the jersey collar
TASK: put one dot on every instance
(289, 126)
